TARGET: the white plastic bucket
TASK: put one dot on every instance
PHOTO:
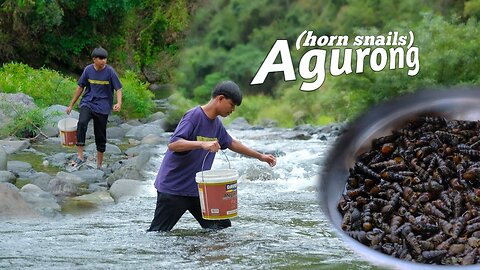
(67, 128)
(218, 193)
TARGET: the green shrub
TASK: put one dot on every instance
(25, 124)
(45, 86)
(137, 99)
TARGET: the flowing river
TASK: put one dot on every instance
(279, 225)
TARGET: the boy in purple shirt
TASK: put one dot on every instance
(200, 131)
(97, 83)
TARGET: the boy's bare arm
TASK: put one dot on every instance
(238, 147)
(183, 145)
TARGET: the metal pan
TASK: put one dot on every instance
(459, 104)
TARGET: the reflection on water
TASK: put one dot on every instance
(279, 226)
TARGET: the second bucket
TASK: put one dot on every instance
(218, 193)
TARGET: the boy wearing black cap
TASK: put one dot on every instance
(97, 83)
(199, 132)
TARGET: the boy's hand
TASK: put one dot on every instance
(213, 146)
(270, 159)
(117, 107)
(69, 109)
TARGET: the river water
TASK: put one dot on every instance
(279, 225)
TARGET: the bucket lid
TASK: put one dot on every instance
(67, 124)
(217, 176)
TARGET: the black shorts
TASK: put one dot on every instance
(170, 208)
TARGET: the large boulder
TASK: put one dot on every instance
(66, 184)
(13, 146)
(12, 204)
(122, 189)
(42, 202)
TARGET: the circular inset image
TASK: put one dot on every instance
(402, 185)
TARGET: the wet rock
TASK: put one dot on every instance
(42, 202)
(240, 123)
(3, 159)
(96, 198)
(139, 132)
(296, 135)
(12, 204)
(13, 146)
(306, 128)
(124, 188)
(6, 176)
(41, 180)
(129, 169)
(268, 123)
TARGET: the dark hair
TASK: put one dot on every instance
(230, 90)
(100, 52)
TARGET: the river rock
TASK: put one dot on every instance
(156, 116)
(13, 146)
(12, 204)
(240, 123)
(18, 167)
(139, 132)
(129, 169)
(115, 133)
(152, 139)
(59, 159)
(90, 176)
(41, 201)
(110, 149)
(65, 184)
(96, 198)
(137, 150)
(41, 180)
(3, 159)
(6, 176)
(124, 188)
(296, 135)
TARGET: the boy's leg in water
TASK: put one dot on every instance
(169, 210)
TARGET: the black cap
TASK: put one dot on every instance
(100, 52)
(230, 90)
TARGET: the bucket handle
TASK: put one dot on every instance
(203, 163)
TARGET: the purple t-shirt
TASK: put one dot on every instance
(177, 172)
(99, 86)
